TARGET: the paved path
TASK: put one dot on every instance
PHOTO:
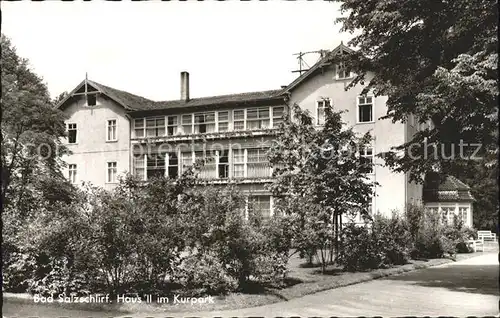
(464, 288)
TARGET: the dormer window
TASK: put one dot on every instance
(342, 71)
(91, 99)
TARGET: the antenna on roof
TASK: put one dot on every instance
(303, 66)
(86, 79)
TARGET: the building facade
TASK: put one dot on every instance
(111, 132)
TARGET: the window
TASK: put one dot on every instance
(209, 168)
(139, 167)
(187, 124)
(433, 210)
(366, 157)
(238, 163)
(278, 113)
(365, 109)
(186, 160)
(257, 164)
(204, 123)
(223, 120)
(172, 125)
(463, 214)
(447, 215)
(72, 173)
(223, 164)
(111, 176)
(260, 206)
(411, 120)
(257, 155)
(320, 111)
(139, 128)
(342, 71)
(111, 130)
(258, 118)
(72, 133)
(369, 207)
(155, 127)
(173, 165)
(91, 99)
(364, 210)
(239, 119)
(155, 166)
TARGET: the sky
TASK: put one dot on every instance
(141, 47)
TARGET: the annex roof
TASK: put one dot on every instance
(448, 190)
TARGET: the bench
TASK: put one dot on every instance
(486, 236)
(476, 245)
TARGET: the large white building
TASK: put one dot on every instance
(111, 132)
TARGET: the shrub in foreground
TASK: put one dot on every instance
(384, 243)
(434, 238)
(205, 274)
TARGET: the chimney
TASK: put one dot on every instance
(185, 86)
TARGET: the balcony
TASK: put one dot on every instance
(207, 136)
(256, 172)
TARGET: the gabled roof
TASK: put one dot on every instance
(134, 103)
(448, 190)
(127, 100)
(325, 61)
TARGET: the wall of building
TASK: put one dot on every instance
(92, 152)
(390, 195)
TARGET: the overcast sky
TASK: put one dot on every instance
(141, 47)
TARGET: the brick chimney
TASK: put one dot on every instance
(185, 86)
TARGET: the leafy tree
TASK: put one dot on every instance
(437, 60)
(59, 98)
(483, 181)
(319, 177)
(31, 128)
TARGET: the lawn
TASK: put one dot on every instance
(302, 280)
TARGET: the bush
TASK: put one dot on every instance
(460, 234)
(393, 237)
(387, 242)
(358, 251)
(248, 249)
(433, 239)
(131, 239)
(205, 274)
(271, 268)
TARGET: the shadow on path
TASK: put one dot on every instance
(480, 279)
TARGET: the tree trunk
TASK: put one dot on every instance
(336, 235)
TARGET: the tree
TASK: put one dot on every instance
(319, 177)
(59, 98)
(437, 60)
(483, 180)
(31, 128)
